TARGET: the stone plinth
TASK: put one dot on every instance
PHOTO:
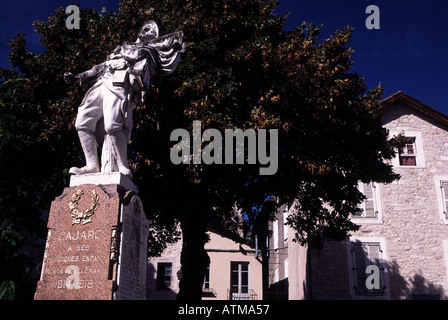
(133, 255)
(97, 242)
(104, 179)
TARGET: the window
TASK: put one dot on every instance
(411, 155)
(364, 255)
(371, 206)
(239, 278)
(206, 284)
(408, 154)
(365, 281)
(207, 291)
(163, 281)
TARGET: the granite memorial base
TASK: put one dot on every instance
(96, 246)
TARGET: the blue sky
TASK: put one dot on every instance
(409, 52)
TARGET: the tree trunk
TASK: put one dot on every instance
(194, 259)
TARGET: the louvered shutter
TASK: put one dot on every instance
(370, 201)
(445, 197)
(365, 254)
(360, 214)
(359, 262)
(375, 259)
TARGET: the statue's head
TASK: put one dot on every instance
(148, 31)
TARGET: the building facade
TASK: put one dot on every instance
(162, 277)
(234, 273)
(401, 248)
(286, 262)
(399, 252)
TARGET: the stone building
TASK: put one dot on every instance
(404, 225)
(162, 278)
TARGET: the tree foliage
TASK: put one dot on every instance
(240, 70)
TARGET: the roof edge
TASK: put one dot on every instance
(401, 97)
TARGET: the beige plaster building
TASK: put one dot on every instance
(235, 271)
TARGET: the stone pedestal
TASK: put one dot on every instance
(97, 242)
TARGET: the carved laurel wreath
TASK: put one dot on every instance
(79, 216)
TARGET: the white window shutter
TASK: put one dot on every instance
(444, 186)
(370, 210)
(375, 259)
(374, 254)
(275, 233)
(285, 226)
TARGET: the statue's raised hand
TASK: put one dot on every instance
(70, 78)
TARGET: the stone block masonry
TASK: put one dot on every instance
(412, 227)
(133, 251)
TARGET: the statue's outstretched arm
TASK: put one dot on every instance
(84, 78)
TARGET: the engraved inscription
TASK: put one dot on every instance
(80, 249)
(80, 235)
(73, 281)
(86, 258)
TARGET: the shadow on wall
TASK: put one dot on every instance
(155, 291)
(412, 288)
(277, 290)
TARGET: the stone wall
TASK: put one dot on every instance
(133, 252)
(170, 255)
(413, 227)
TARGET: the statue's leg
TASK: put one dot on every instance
(113, 125)
(120, 144)
(89, 113)
(89, 146)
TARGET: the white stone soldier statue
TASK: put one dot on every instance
(124, 78)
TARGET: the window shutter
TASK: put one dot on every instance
(374, 254)
(365, 254)
(445, 197)
(359, 261)
(370, 201)
(163, 280)
(275, 233)
(285, 226)
(375, 258)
